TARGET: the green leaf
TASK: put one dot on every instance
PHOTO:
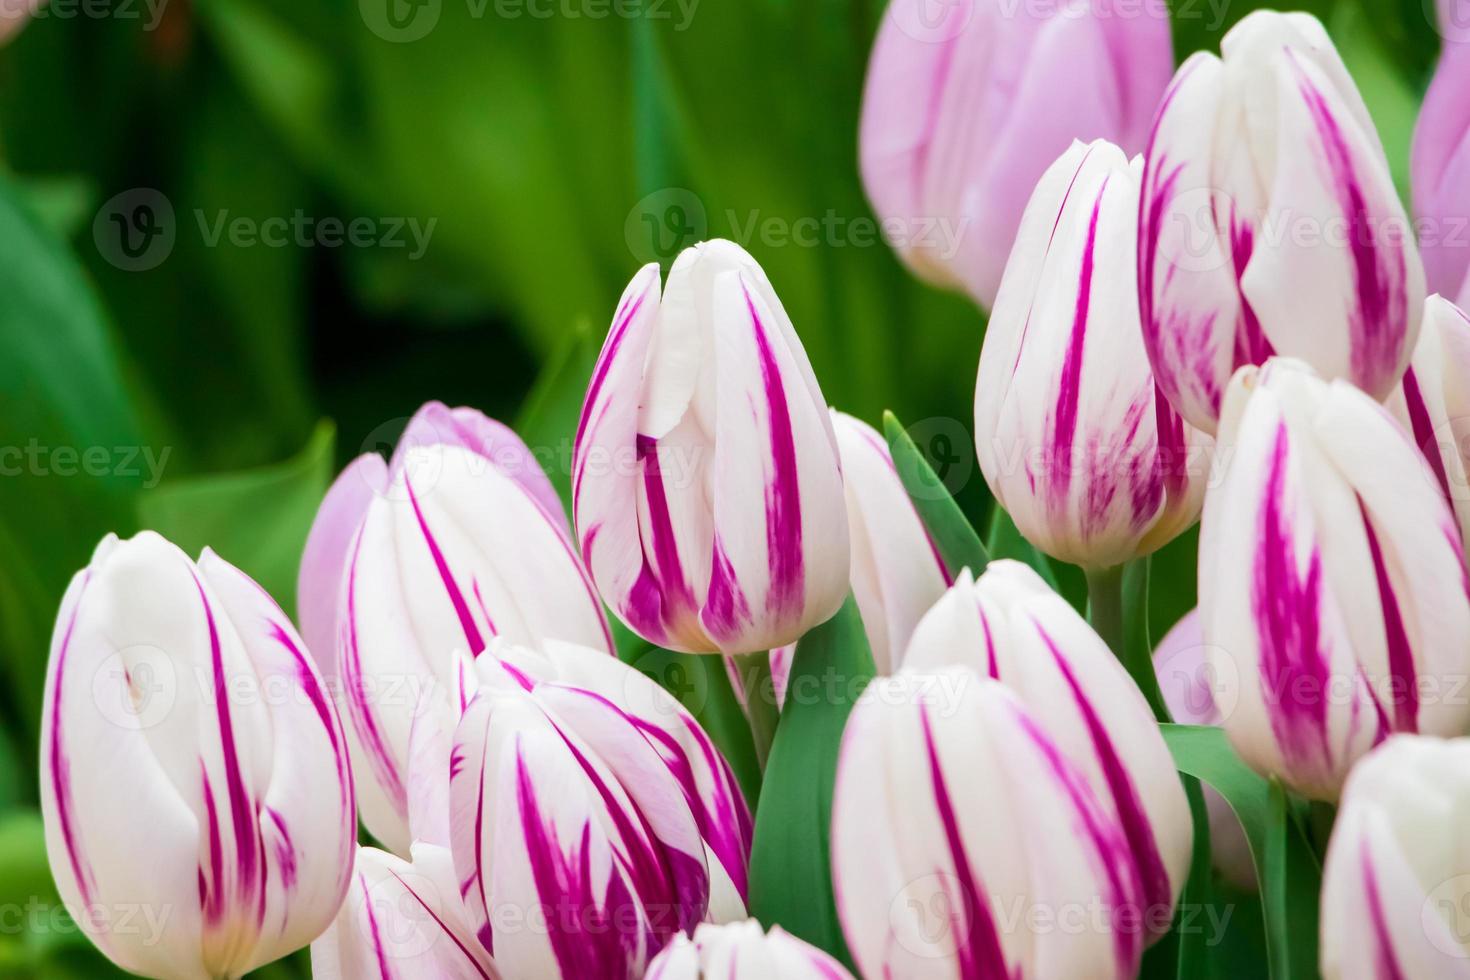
(548, 419)
(790, 864)
(255, 519)
(953, 535)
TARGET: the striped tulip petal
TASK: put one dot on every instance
(1343, 613)
(401, 921)
(1071, 434)
(706, 484)
(574, 848)
(1010, 626)
(956, 823)
(743, 951)
(1440, 165)
(1395, 878)
(184, 716)
(1269, 222)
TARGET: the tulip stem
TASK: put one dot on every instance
(1105, 606)
(1108, 601)
(760, 701)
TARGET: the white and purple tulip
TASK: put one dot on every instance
(962, 112)
(192, 766)
(1333, 592)
(1076, 442)
(706, 484)
(1440, 164)
(575, 845)
(1397, 873)
(1010, 626)
(456, 541)
(1269, 222)
(401, 921)
(743, 951)
(1433, 402)
(958, 817)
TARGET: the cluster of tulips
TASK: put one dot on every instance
(1162, 349)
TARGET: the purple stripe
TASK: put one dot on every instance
(359, 709)
(676, 597)
(285, 849)
(1064, 425)
(442, 926)
(367, 905)
(461, 608)
(1423, 428)
(1387, 966)
(783, 492)
(59, 764)
(621, 320)
(1404, 685)
(211, 890)
(726, 610)
(978, 947)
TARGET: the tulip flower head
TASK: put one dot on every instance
(962, 112)
(706, 484)
(192, 767)
(955, 825)
(1397, 872)
(1269, 222)
(743, 951)
(457, 540)
(1071, 433)
(1332, 584)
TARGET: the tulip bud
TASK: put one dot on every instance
(1188, 686)
(568, 814)
(1270, 223)
(1332, 584)
(706, 485)
(1440, 164)
(1396, 877)
(741, 951)
(1433, 403)
(963, 110)
(961, 821)
(192, 766)
(1010, 626)
(401, 920)
(1072, 436)
(459, 539)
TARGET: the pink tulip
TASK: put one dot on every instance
(1441, 172)
(743, 951)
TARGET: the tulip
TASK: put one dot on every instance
(1072, 436)
(14, 15)
(1433, 403)
(1440, 165)
(574, 841)
(706, 485)
(967, 103)
(457, 540)
(401, 920)
(741, 951)
(192, 767)
(1270, 224)
(1332, 583)
(961, 821)
(1395, 879)
(1010, 626)
(1188, 687)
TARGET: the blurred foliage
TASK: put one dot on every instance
(550, 156)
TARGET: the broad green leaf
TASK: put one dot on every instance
(953, 535)
(790, 865)
(548, 418)
(256, 519)
(1138, 644)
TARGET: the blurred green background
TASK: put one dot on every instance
(159, 369)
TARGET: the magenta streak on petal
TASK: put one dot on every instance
(1108, 844)
(484, 609)
(1251, 345)
(1376, 334)
(245, 827)
(461, 608)
(211, 892)
(1173, 447)
(604, 364)
(1404, 688)
(783, 492)
(1153, 878)
(1287, 610)
(1064, 423)
(487, 934)
(384, 972)
(593, 940)
(442, 926)
(726, 609)
(992, 664)
(360, 710)
(285, 850)
(518, 676)
(1424, 435)
(1387, 966)
(60, 766)
(977, 946)
(675, 596)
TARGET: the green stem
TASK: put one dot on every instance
(760, 701)
(1105, 606)
(1107, 613)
